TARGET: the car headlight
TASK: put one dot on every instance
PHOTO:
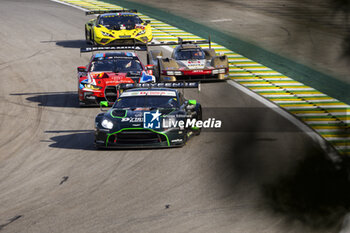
(141, 32)
(107, 124)
(106, 34)
(215, 71)
(92, 87)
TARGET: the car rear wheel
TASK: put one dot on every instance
(86, 36)
(158, 72)
(92, 38)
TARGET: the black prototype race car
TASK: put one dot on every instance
(148, 117)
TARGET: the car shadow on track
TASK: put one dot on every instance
(76, 139)
(67, 99)
(68, 43)
(82, 140)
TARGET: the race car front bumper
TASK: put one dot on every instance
(195, 75)
(94, 97)
(123, 41)
(91, 98)
(139, 138)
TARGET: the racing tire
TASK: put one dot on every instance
(88, 41)
(86, 36)
(197, 132)
(148, 60)
(185, 139)
(157, 75)
(92, 39)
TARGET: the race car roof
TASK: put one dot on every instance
(189, 46)
(117, 14)
(98, 56)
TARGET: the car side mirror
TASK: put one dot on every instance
(150, 69)
(103, 104)
(147, 21)
(82, 69)
(192, 102)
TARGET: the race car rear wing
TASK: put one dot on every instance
(116, 47)
(143, 47)
(125, 86)
(98, 12)
(182, 85)
(180, 41)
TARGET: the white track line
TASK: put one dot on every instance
(220, 20)
(309, 131)
(71, 5)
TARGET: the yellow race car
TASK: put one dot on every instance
(117, 27)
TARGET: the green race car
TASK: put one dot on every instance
(116, 27)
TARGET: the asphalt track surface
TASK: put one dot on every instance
(53, 180)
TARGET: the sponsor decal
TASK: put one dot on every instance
(148, 93)
(152, 120)
(121, 47)
(177, 140)
(172, 122)
(132, 119)
(88, 97)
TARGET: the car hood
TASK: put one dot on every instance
(108, 78)
(126, 30)
(134, 118)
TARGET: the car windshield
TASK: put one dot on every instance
(146, 101)
(116, 20)
(189, 54)
(116, 65)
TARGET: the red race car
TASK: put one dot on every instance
(99, 80)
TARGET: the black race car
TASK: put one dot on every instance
(148, 117)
